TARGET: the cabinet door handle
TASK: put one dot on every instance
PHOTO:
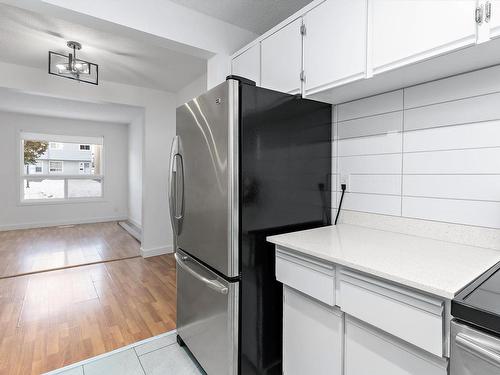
(487, 15)
(479, 14)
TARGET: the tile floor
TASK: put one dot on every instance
(160, 355)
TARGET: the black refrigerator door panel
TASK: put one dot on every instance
(285, 164)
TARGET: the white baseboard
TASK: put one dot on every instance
(153, 252)
(47, 224)
(132, 229)
(136, 223)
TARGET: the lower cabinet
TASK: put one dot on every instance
(340, 322)
(414, 317)
(371, 351)
(312, 336)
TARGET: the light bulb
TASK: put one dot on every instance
(81, 67)
(62, 68)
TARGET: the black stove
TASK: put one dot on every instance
(479, 303)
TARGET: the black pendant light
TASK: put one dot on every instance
(69, 66)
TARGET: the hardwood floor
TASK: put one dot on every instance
(42, 249)
(49, 320)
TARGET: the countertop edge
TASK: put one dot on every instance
(446, 294)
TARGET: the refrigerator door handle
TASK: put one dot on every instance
(180, 174)
(172, 183)
(213, 284)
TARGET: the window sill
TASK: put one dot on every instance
(43, 202)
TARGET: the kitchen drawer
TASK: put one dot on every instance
(369, 350)
(411, 316)
(310, 276)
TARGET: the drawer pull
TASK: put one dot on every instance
(213, 284)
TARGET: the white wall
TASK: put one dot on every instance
(218, 68)
(194, 89)
(159, 129)
(114, 205)
(429, 152)
(135, 160)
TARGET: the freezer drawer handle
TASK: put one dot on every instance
(213, 284)
(472, 346)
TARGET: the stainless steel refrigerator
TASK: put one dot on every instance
(246, 163)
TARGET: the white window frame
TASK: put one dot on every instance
(58, 176)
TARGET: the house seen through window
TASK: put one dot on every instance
(56, 145)
(60, 167)
(55, 166)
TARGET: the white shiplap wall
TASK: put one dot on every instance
(428, 152)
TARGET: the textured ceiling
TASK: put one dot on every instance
(254, 15)
(26, 38)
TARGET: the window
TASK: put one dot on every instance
(64, 175)
(43, 189)
(56, 146)
(84, 168)
(55, 166)
(36, 168)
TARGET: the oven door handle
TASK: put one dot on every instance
(213, 284)
(471, 345)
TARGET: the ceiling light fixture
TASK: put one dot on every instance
(68, 66)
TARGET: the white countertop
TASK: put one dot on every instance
(436, 267)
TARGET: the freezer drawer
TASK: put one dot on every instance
(473, 352)
(207, 315)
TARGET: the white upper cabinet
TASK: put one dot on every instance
(282, 59)
(247, 64)
(407, 31)
(335, 44)
(492, 17)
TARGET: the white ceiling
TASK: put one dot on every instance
(255, 15)
(26, 38)
(20, 102)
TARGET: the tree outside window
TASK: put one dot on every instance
(32, 151)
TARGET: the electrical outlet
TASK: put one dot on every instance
(344, 180)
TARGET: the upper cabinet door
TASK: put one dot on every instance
(407, 31)
(492, 17)
(282, 59)
(335, 44)
(247, 64)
